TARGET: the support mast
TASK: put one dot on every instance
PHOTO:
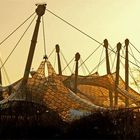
(40, 12)
(77, 57)
(126, 71)
(107, 56)
(58, 58)
(108, 69)
(117, 73)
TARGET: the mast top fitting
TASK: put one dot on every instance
(126, 42)
(40, 10)
(106, 43)
(77, 56)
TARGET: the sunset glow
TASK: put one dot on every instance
(114, 20)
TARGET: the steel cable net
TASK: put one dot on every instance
(92, 87)
(96, 89)
(51, 92)
(56, 92)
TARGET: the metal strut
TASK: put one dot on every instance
(40, 10)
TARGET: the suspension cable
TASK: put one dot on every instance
(73, 26)
(110, 53)
(100, 58)
(86, 34)
(51, 53)
(67, 63)
(123, 50)
(136, 61)
(101, 44)
(97, 65)
(113, 63)
(45, 52)
(5, 72)
(85, 65)
(135, 47)
(17, 43)
(83, 69)
(135, 81)
(132, 76)
(89, 56)
(132, 55)
(124, 58)
(16, 28)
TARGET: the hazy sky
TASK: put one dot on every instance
(115, 20)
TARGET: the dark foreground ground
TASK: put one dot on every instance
(122, 124)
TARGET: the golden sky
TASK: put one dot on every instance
(115, 20)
